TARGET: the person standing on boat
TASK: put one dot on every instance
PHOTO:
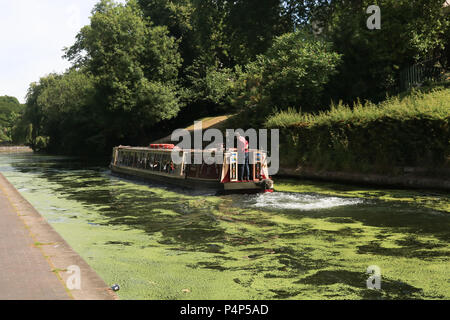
(243, 150)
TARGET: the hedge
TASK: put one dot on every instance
(410, 131)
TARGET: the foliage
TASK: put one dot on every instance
(285, 118)
(411, 31)
(65, 105)
(141, 69)
(10, 112)
(126, 54)
(124, 81)
(210, 83)
(252, 25)
(215, 37)
(408, 131)
(292, 73)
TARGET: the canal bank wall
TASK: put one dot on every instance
(16, 149)
(36, 263)
(413, 178)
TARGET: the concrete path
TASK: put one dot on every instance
(34, 258)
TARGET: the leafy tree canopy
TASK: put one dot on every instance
(139, 67)
(411, 31)
(292, 73)
(10, 111)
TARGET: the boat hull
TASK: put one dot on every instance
(189, 182)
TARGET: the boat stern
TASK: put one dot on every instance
(263, 186)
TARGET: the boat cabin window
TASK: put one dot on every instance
(161, 161)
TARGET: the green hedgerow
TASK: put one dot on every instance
(408, 131)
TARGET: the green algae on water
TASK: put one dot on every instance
(161, 243)
(427, 199)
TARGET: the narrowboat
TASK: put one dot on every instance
(154, 163)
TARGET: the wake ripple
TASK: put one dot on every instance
(303, 202)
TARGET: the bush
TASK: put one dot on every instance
(409, 131)
(292, 74)
(41, 143)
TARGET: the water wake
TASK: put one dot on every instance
(303, 202)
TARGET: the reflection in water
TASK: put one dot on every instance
(153, 239)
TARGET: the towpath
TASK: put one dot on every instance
(35, 260)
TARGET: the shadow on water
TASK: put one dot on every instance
(92, 184)
(410, 248)
(391, 289)
(395, 216)
(257, 235)
(179, 216)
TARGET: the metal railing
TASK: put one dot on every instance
(420, 72)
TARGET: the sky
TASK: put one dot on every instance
(33, 34)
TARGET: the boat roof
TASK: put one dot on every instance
(170, 150)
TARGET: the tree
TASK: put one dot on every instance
(135, 65)
(34, 113)
(411, 31)
(445, 53)
(215, 36)
(211, 84)
(176, 15)
(69, 114)
(292, 74)
(10, 112)
(252, 25)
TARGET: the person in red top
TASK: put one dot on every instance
(243, 149)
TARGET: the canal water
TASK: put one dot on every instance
(308, 240)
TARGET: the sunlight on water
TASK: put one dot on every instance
(303, 202)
